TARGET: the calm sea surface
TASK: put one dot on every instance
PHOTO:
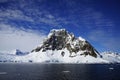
(31, 71)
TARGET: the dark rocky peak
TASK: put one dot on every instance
(61, 39)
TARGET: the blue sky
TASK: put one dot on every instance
(25, 23)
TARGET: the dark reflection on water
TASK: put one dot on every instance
(59, 71)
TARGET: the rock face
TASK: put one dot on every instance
(18, 52)
(61, 39)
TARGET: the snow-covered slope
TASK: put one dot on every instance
(10, 56)
(56, 57)
(6, 57)
(111, 57)
(61, 47)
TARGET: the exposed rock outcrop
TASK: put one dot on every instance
(61, 39)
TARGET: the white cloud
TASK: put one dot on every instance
(12, 38)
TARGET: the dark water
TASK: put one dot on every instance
(59, 71)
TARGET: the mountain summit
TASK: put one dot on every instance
(61, 39)
(60, 46)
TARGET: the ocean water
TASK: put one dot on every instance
(30, 71)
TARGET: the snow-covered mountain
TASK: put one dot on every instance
(60, 39)
(18, 52)
(62, 47)
(113, 57)
(10, 56)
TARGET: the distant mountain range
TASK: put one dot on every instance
(62, 47)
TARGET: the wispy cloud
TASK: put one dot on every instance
(2, 1)
(108, 40)
(113, 44)
(95, 19)
(36, 17)
(12, 38)
(14, 15)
